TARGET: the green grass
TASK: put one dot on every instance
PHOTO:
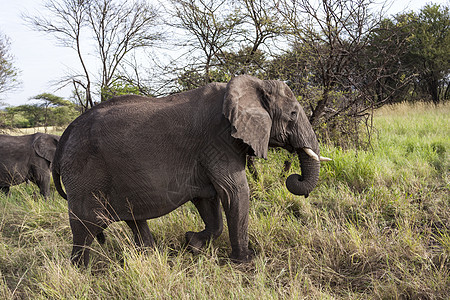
(376, 227)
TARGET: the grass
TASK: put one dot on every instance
(23, 131)
(376, 227)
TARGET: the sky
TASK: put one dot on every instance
(42, 62)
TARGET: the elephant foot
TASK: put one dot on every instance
(80, 256)
(242, 257)
(5, 189)
(101, 238)
(196, 240)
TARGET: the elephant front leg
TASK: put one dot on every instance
(44, 188)
(211, 215)
(43, 182)
(235, 201)
(83, 235)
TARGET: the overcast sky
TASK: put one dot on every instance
(41, 62)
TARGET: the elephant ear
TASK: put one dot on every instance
(45, 146)
(245, 106)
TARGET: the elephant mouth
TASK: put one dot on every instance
(273, 142)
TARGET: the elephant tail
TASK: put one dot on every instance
(57, 181)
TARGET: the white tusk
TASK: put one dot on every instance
(311, 154)
(315, 156)
(323, 158)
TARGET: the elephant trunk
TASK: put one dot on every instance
(303, 184)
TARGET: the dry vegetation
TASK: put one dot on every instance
(22, 131)
(376, 227)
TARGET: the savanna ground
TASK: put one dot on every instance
(376, 227)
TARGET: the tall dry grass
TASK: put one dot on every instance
(376, 227)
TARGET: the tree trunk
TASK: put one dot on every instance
(320, 108)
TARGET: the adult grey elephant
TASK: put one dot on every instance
(133, 158)
(27, 157)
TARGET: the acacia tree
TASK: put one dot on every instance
(47, 101)
(8, 73)
(117, 28)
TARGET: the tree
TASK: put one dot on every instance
(386, 77)
(338, 74)
(122, 86)
(47, 110)
(10, 114)
(32, 113)
(419, 44)
(261, 24)
(3, 116)
(8, 73)
(209, 27)
(228, 38)
(118, 28)
(430, 48)
(48, 101)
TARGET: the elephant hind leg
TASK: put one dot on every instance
(101, 238)
(142, 235)
(210, 212)
(5, 189)
(83, 235)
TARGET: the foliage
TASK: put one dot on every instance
(48, 99)
(376, 227)
(339, 57)
(49, 110)
(209, 28)
(426, 45)
(221, 45)
(12, 117)
(430, 46)
(224, 67)
(119, 88)
(8, 73)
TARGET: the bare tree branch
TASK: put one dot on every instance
(118, 28)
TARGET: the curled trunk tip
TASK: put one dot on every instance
(303, 184)
(294, 185)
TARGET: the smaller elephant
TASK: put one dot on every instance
(27, 158)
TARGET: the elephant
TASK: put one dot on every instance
(27, 158)
(133, 158)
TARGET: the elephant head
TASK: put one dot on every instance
(44, 145)
(266, 113)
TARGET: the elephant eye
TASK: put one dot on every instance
(294, 114)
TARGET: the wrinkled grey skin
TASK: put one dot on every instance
(134, 158)
(27, 158)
